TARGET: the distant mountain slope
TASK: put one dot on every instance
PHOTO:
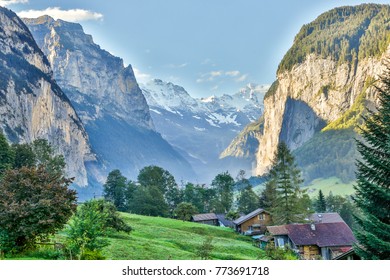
(202, 128)
(106, 95)
(323, 85)
(32, 105)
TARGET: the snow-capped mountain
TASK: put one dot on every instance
(202, 128)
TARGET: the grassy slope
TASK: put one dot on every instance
(157, 238)
(332, 184)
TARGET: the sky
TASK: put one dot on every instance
(210, 47)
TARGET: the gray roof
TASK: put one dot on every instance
(204, 217)
(326, 218)
(224, 221)
(249, 216)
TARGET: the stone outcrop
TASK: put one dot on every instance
(32, 105)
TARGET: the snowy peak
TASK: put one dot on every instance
(167, 96)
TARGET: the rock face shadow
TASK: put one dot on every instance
(300, 123)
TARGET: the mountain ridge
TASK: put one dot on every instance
(32, 104)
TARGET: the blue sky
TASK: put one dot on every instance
(209, 47)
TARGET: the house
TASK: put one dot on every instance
(348, 255)
(223, 222)
(254, 223)
(208, 219)
(313, 241)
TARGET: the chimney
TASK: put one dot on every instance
(313, 226)
(320, 218)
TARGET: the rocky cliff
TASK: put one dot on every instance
(108, 99)
(32, 105)
(323, 84)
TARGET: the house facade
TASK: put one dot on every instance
(208, 219)
(254, 223)
(314, 241)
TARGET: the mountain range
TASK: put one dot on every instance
(57, 84)
(201, 128)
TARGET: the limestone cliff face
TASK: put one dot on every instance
(109, 101)
(97, 82)
(327, 72)
(32, 105)
(311, 95)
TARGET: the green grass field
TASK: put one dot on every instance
(155, 238)
(332, 184)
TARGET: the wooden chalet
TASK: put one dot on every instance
(208, 219)
(254, 223)
(314, 241)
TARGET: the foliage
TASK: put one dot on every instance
(329, 153)
(320, 204)
(184, 211)
(268, 196)
(223, 184)
(149, 201)
(114, 189)
(290, 203)
(345, 34)
(277, 253)
(205, 249)
(199, 196)
(156, 177)
(6, 155)
(45, 156)
(232, 215)
(373, 185)
(86, 232)
(247, 200)
(24, 156)
(33, 205)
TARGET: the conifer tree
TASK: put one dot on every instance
(373, 180)
(320, 202)
(286, 178)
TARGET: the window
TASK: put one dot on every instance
(262, 217)
(281, 242)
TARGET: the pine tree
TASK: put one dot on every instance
(320, 203)
(114, 189)
(223, 184)
(286, 178)
(373, 180)
(247, 200)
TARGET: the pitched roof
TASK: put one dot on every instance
(222, 219)
(326, 218)
(277, 230)
(204, 217)
(249, 216)
(324, 234)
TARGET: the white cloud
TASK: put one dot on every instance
(177, 66)
(11, 2)
(216, 73)
(213, 75)
(242, 78)
(233, 73)
(73, 15)
(215, 88)
(142, 78)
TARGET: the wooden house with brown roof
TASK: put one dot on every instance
(208, 219)
(254, 223)
(314, 241)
